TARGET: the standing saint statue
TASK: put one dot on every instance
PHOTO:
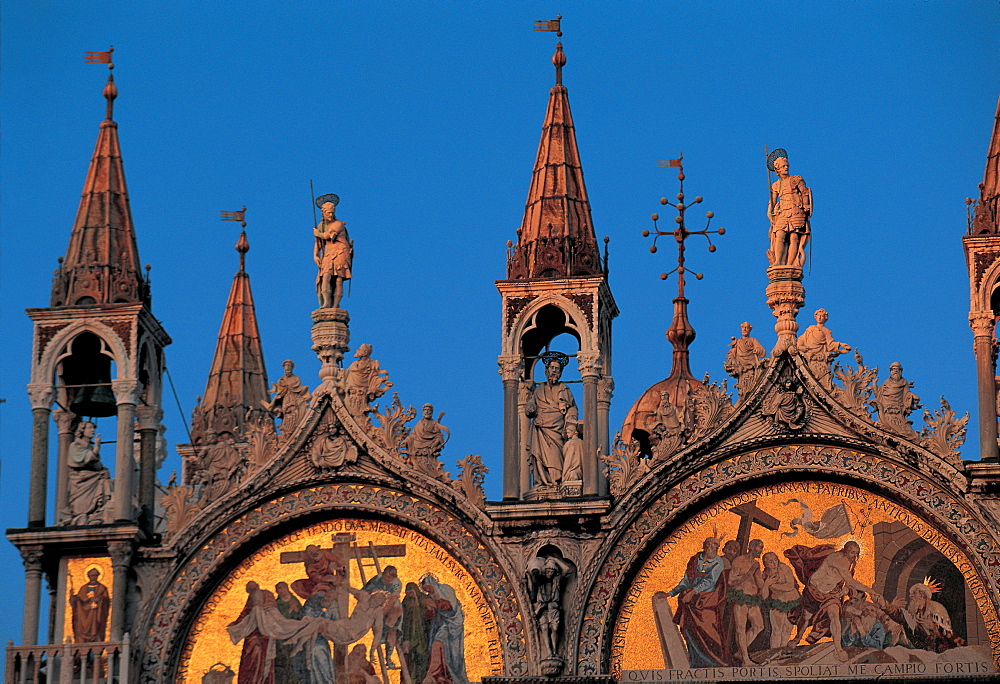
(91, 605)
(894, 401)
(546, 578)
(788, 209)
(89, 480)
(333, 253)
(364, 382)
(291, 398)
(550, 406)
(424, 443)
(818, 347)
(745, 360)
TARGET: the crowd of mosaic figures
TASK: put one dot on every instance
(304, 633)
(725, 599)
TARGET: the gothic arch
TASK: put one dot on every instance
(45, 369)
(575, 315)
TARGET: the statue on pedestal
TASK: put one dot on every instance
(333, 253)
(89, 479)
(290, 400)
(550, 406)
(894, 401)
(546, 578)
(788, 209)
(364, 382)
(745, 360)
(424, 443)
(818, 347)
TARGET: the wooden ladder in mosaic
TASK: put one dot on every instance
(379, 648)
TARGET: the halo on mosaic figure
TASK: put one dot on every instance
(774, 155)
(329, 197)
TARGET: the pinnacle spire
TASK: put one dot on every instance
(237, 381)
(556, 238)
(987, 217)
(101, 265)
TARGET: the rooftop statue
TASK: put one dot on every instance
(745, 360)
(425, 443)
(818, 347)
(364, 382)
(333, 253)
(291, 398)
(788, 209)
(894, 401)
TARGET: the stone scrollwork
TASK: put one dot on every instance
(40, 395)
(944, 434)
(510, 367)
(391, 432)
(182, 506)
(624, 466)
(472, 474)
(857, 386)
(605, 388)
(983, 323)
(590, 363)
(126, 391)
(712, 405)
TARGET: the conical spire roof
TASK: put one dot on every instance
(101, 265)
(987, 220)
(556, 238)
(237, 381)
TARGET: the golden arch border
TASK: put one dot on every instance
(918, 497)
(174, 613)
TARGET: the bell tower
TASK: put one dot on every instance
(97, 356)
(982, 256)
(556, 284)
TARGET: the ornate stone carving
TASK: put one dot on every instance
(943, 433)
(32, 556)
(785, 408)
(471, 476)
(712, 405)
(364, 382)
(745, 360)
(857, 386)
(333, 253)
(148, 417)
(550, 406)
(894, 402)
(425, 442)
(624, 466)
(126, 391)
(515, 305)
(88, 480)
(41, 396)
(819, 349)
(330, 336)
(590, 363)
(219, 466)
(785, 295)
(510, 367)
(982, 323)
(332, 447)
(788, 209)
(289, 401)
(546, 578)
(391, 431)
(181, 506)
(667, 427)
(260, 441)
(121, 554)
(605, 389)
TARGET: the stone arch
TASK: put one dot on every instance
(45, 369)
(654, 516)
(575, 315)
(177, 600)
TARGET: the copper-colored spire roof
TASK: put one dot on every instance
(237, 381)
(102, 261)
(987, 219)
(556, 238)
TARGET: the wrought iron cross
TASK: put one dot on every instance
(681, 232)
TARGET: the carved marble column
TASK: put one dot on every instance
(785, 296)
(121, 556)
(41, 397)
(32, 557)
(149, 418)
(984, 344)
(331, 336)
(64, 428)
(126, 396)
(605, 391)
(510, 371)
(590, 369)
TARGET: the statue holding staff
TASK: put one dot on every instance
(333, 253)
(789, 208)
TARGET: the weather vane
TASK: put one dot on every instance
(681, 232)
(242, 245)
(549, 25)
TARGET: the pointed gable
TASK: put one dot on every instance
(987, 219)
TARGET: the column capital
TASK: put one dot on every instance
(31, 556)
(148, 417)
(605, 389)
(511, 367)
(41, 395)
(126, 391)
(982, 323)
(589, 363)
(64, 421)
(121, 553)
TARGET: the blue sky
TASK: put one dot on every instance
(424, 117)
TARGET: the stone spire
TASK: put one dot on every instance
(237, 381)
(556, 238)
(102, 261)
(987, 217)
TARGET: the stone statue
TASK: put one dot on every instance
(894, 402)
(290, 400)
(546, 578)
(222, 466)
(89, 480)
(745, 360)
(550, 406)
(665, 427)
(333, 253)
(788, 209)
(572, 454)
(364, 382)
(424, 443)
(91, 605)
(818, 347)
(333, 449)
(786, 407)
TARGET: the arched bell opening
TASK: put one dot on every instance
(84, 374)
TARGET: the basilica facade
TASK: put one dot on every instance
(806, 522)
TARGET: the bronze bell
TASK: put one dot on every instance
(94, 401)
